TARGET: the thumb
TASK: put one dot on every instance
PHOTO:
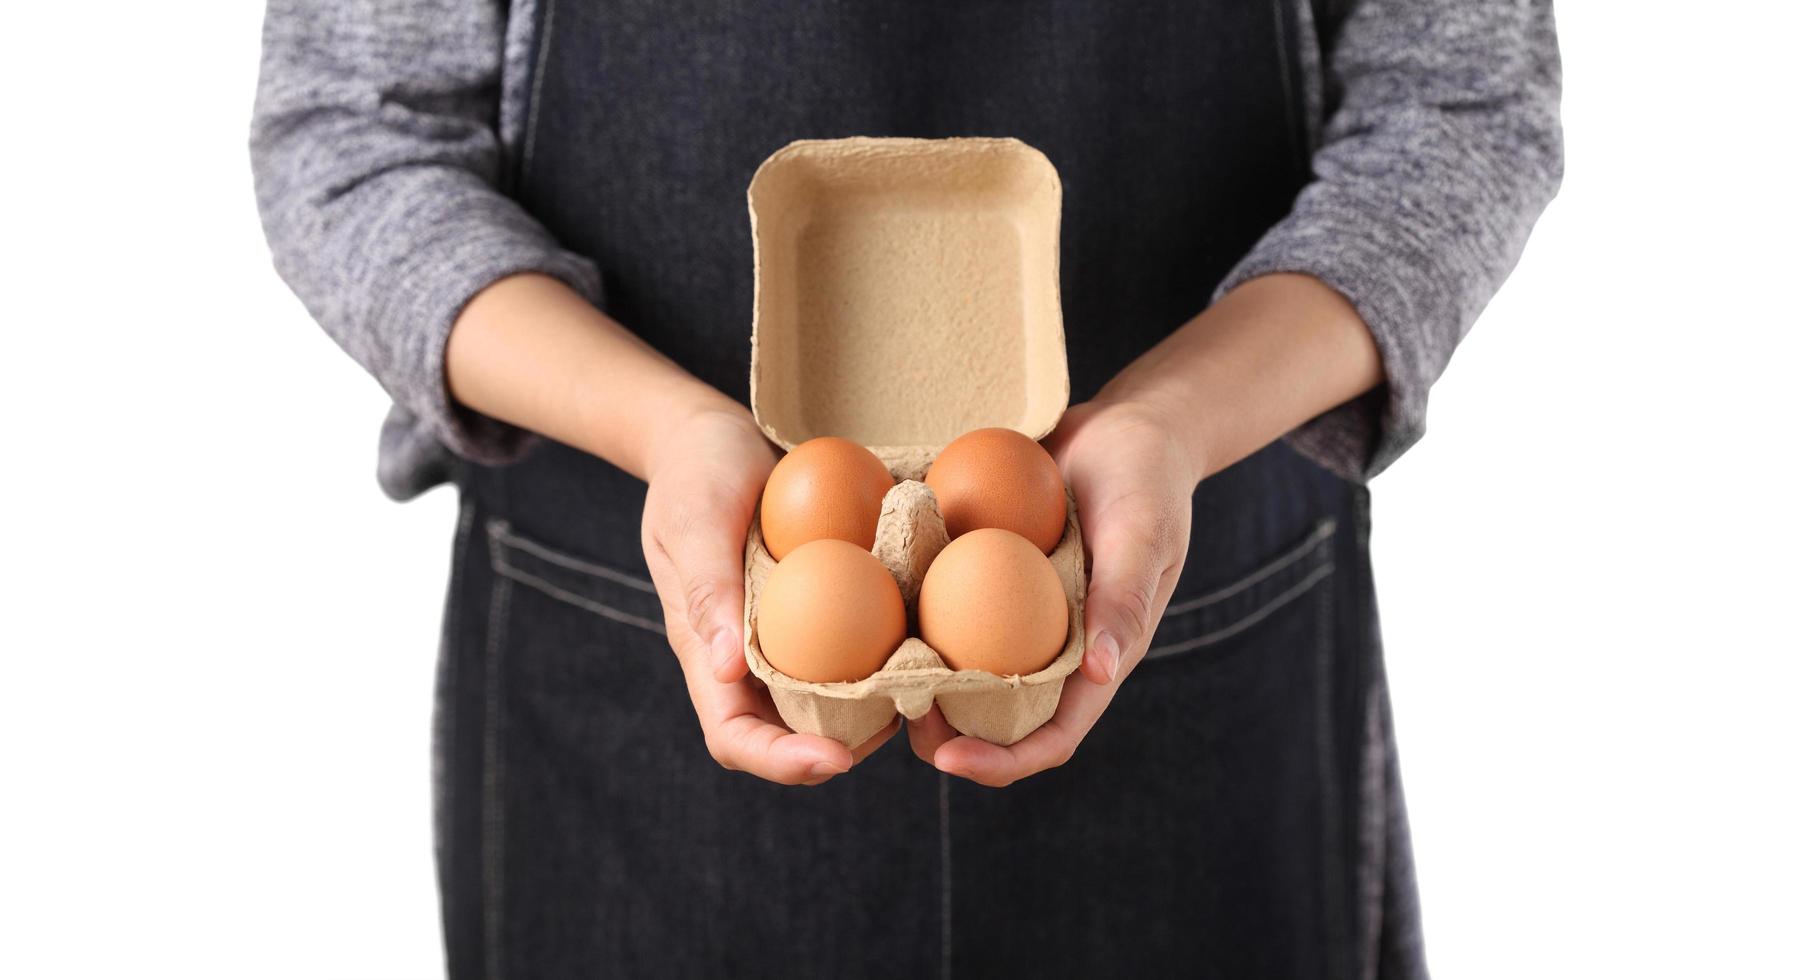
(709, 558)
(1128, 567)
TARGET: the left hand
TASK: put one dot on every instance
(1133, 483)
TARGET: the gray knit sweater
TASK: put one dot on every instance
(378, 140)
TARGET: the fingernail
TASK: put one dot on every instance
(1107, 650)
(725, 648)
(821, 769)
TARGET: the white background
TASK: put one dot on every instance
(1597, 573)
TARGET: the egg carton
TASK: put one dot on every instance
(987, 706)
(906, 292)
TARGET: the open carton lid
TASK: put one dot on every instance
(906, 292)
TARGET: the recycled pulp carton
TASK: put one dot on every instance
(907, 293)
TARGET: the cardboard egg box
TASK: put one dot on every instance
(907, 293)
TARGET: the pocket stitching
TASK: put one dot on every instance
(1321, 533)
(1251, 619)
(1312, 557)
(492, 821)
(502, 538)
(501, 532)
(590, 605)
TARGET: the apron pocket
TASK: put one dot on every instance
(1194, 623)
(610, 844)
(625, 597)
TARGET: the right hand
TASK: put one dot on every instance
(530, 351)
(706, 474)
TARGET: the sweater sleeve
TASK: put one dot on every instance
(1441, 146)
(377, 162)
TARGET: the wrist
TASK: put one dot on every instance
(1160, 393)
(530, 351)
(1273, 353)
(1133, 416)
(691, 420)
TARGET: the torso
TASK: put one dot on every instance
(1226, 816)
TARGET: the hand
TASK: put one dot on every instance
(1133, 484)
(1273, 353)
(706, 474)
(529, 351)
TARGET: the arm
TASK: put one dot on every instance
(376, 163)
(1443, 149)
(376, 166)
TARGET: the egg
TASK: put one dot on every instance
(830, 612)
(824, 488)
(1000, 478)
(991, 601)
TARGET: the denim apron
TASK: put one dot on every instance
(1234, 813)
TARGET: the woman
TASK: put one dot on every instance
(529, 222)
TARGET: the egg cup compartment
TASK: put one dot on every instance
(998, 709)
(906, 292)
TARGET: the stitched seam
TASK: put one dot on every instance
(598, 608)
(1227, 632)
(543, 56)
(1288, 68)
(463, 526)
(1321, 533)
(448, 660)
(1372, 831)
(1372, 766)
(947, 884)
(1333, 878)
(503, 534)
(492, 820)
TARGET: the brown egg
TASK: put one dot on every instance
(825, 488)
(1000, 478)
(830, 612)
(992, 602)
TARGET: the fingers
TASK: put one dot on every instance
(1051, 745)
(770, 751)
(711, 575)
(700, 575)
(748, 743)
(1131, 560)
(765, 748)
(752, 744)
(929, 733)
(742, 731)
(1002, 765)
(878, 741)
